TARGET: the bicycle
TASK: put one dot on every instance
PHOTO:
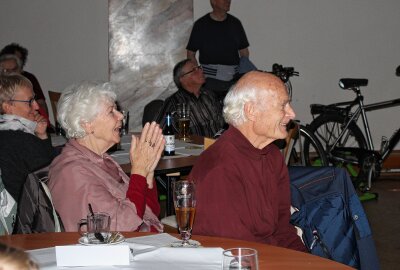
(295, 152)
(344, 141)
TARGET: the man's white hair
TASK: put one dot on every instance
(234, 103)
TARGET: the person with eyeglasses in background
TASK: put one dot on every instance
(12, 60)
(24, 144)
(205, 109)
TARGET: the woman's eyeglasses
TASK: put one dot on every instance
(192, 70)
(30, 101)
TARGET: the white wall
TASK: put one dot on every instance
(326, 40)
(67, 40)
(323, 39)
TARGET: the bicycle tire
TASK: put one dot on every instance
(327, 127)
(312, 155)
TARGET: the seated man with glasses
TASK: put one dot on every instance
(24, 144)
(205, 109)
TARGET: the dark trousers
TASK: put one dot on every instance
(220, 88)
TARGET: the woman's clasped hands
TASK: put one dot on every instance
(146, 151)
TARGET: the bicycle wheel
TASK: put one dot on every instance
(327, 128)
(307, 150)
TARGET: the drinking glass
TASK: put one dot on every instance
(185, 203)
(183, 112)
(125, 123)
(98, 227)
(240, 259)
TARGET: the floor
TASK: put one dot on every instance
(384, 218)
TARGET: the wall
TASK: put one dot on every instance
(147, 39)
(67, 40)
(324, 40)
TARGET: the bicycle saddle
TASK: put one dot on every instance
(347, 83)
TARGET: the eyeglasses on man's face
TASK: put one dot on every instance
(192, 70)
(30, 101)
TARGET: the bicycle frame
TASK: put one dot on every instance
(361, 110)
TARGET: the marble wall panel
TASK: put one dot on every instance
(146, 39)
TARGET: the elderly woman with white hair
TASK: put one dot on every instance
(84, 173)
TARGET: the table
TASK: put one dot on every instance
(270, 257)
(165, 166)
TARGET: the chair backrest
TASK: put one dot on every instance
(329, 209)
(208, 142)
(36, 212)
(8, 210)
(151, 110)
(290, 139)
(54, 97)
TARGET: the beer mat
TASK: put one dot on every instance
(181, 144)
(188, 151)
(175, 156)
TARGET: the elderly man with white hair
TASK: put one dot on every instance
(242, 182)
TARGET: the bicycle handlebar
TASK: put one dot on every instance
(284, 72)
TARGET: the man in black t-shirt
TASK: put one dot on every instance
(221, 41)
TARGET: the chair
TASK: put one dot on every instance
(208, 142)
(54, 97)
(290, 139)
(151, 110)
(36, 212)
(328, 210)
(8, 210)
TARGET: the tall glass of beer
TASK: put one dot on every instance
(185, 208)
(183, 112)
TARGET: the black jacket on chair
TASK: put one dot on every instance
(36, 213)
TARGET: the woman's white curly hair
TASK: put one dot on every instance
(81, 103)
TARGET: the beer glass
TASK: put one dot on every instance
(125, 123)
(185, 203)
(183, 112)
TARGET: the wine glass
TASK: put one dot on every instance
(185, 203)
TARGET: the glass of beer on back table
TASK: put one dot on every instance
(183, 112)
(185, 203)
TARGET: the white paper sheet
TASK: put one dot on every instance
(92, 255)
